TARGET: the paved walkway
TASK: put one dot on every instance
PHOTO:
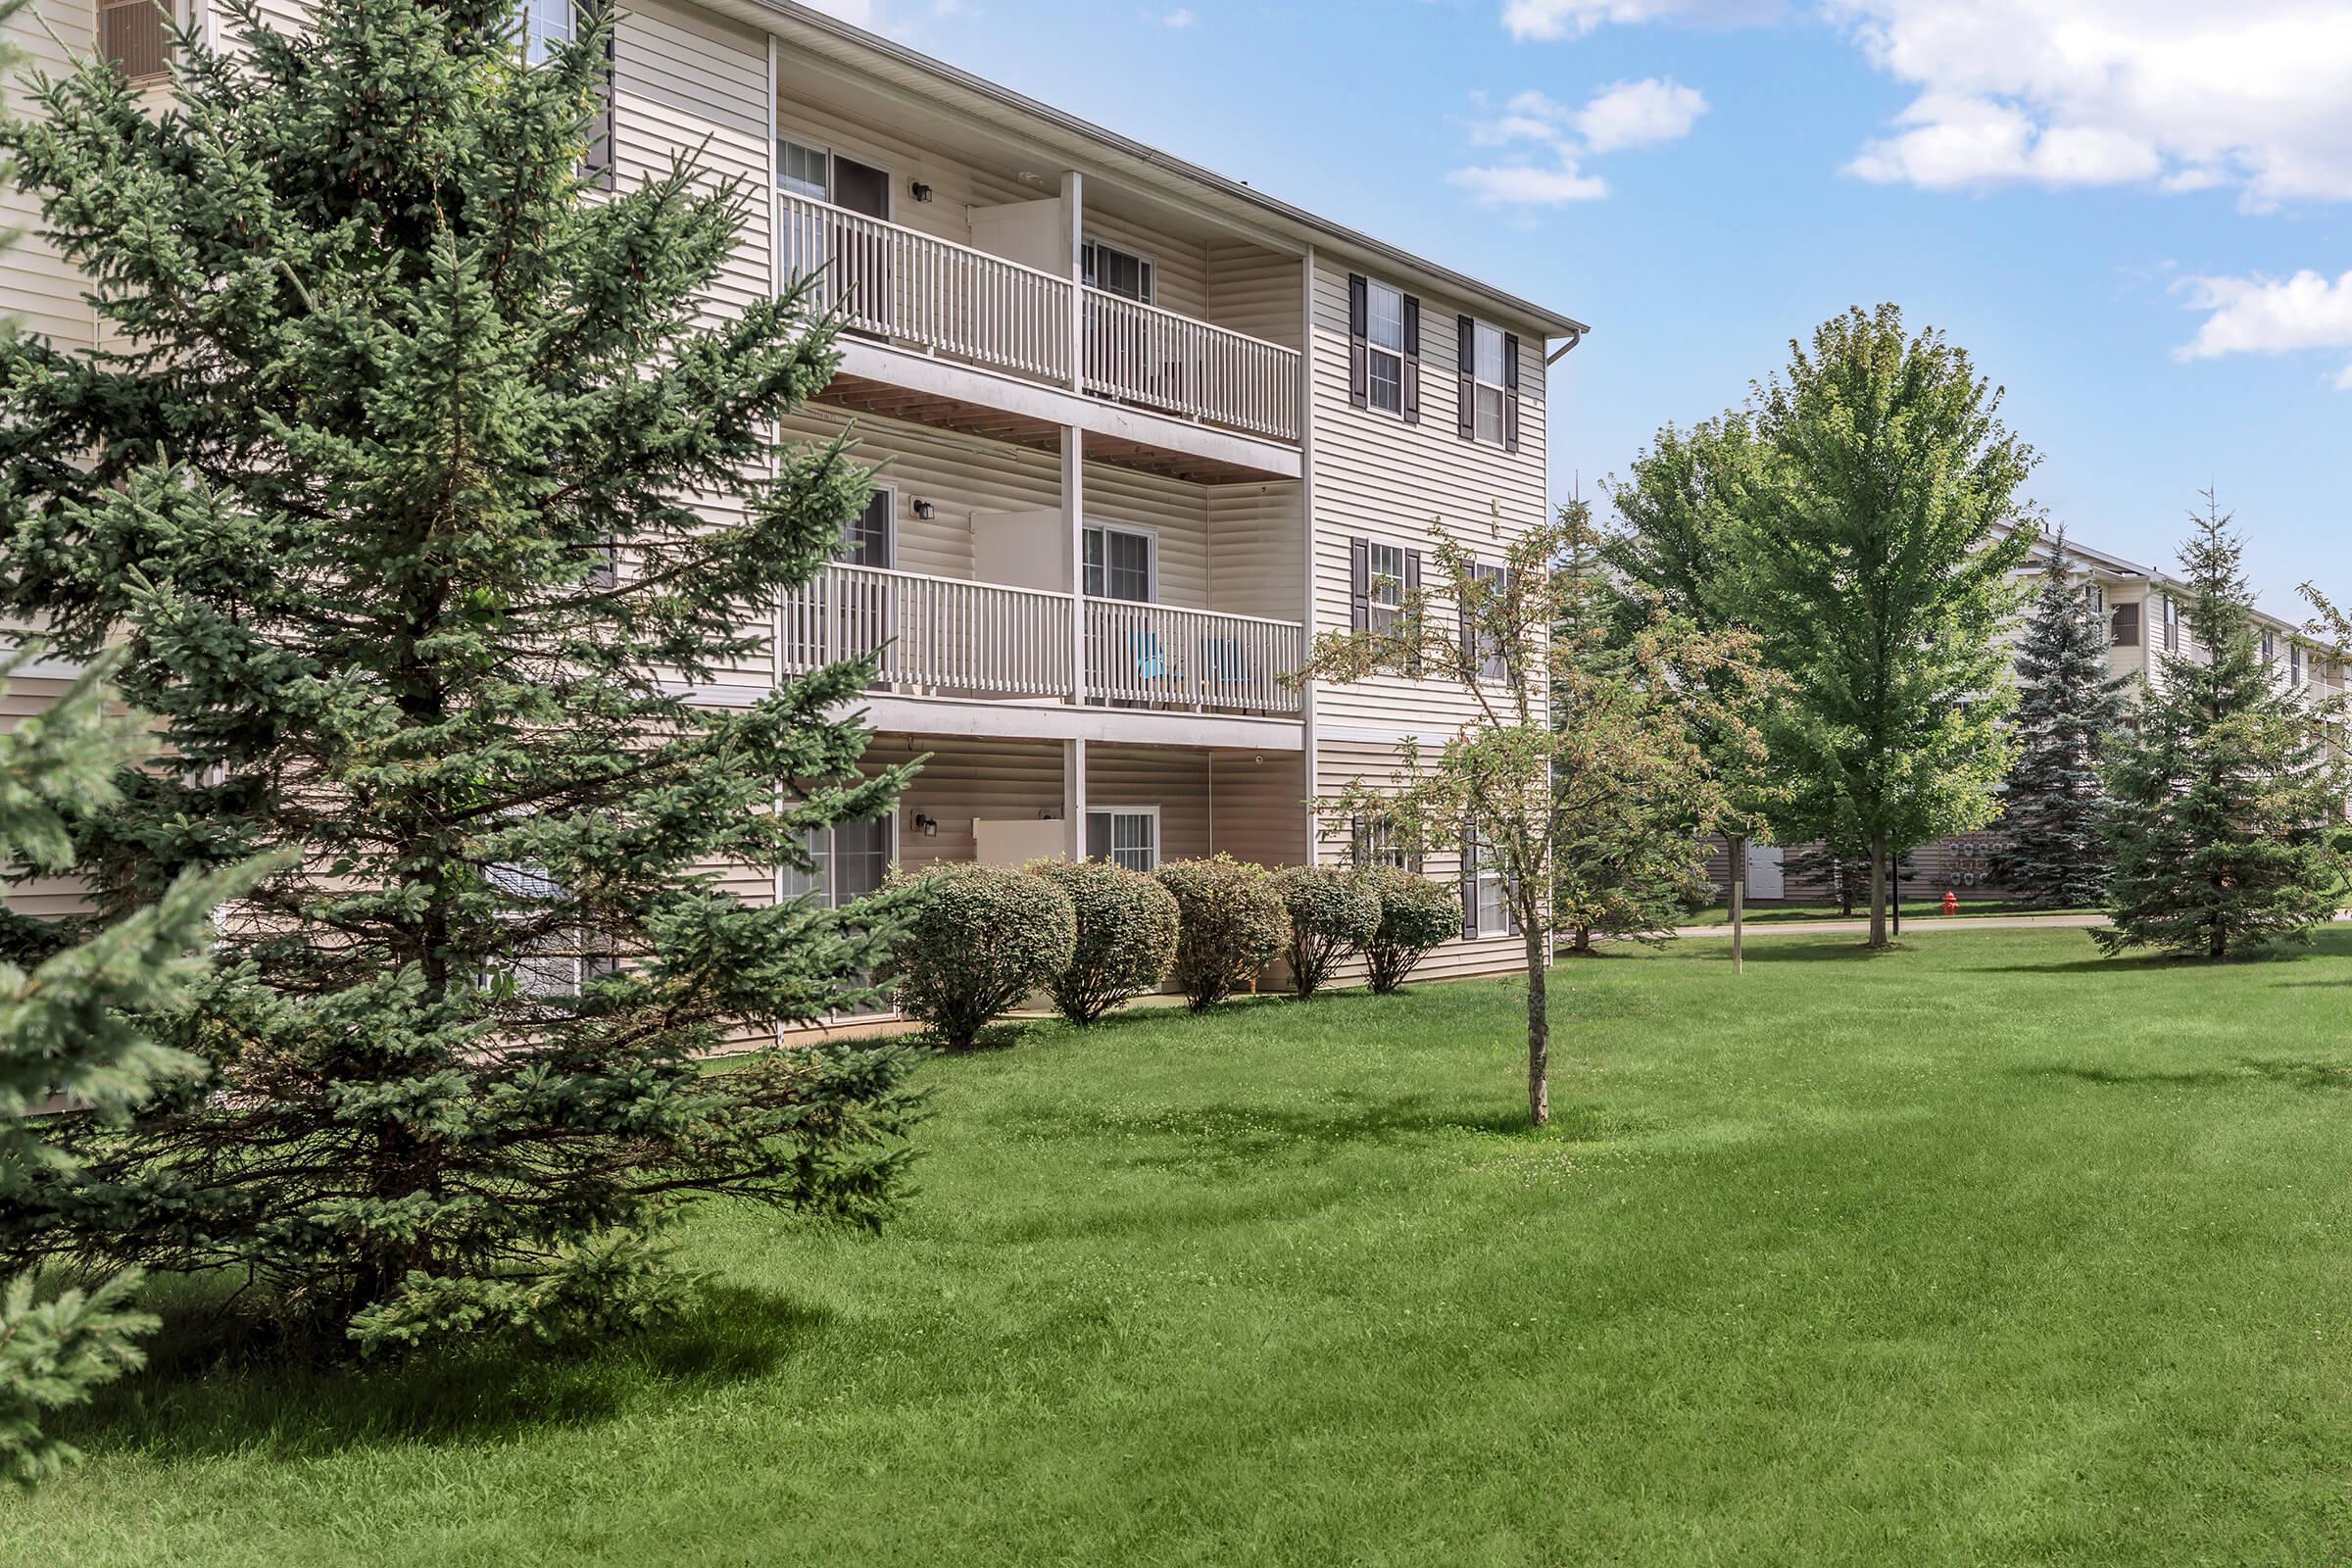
(1912, 924)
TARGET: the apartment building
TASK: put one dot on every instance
(1141, 432)
(2146, 611)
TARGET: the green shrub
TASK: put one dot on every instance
(1230, 923)
(983, 937)
(1415, 915)
(1334, 913)
(1126, 935)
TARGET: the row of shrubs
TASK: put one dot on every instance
(1093, 935)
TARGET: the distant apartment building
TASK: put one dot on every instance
(1142, 431)
(2146, 612)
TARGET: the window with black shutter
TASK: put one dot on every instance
(1510, 392)
(1383, 347)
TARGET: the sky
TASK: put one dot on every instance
(2133, 213)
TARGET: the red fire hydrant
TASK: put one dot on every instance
(1951, 903)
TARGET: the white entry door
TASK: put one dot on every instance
(1764, 871)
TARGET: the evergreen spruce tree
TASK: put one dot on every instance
(72, 1047)
(2228, 801)
(387, 501)
(2067, 707)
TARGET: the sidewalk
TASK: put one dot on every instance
(1911, 925)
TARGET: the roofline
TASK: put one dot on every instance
(2157, 579)
(806, 16)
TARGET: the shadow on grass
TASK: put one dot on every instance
(2244, 1071)
(192, 1401)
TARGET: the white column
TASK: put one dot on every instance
(1073, 797)
(1073, 222)
(1073, 518)
(1310, 773)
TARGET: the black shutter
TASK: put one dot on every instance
(1466, 378)
(1410, 620)
(1359, 584)
(600, 162)
(1510, 392)
(1469, 888)
(1360, 324)
(1412, 360)
(1470, 620)
(1356, 841)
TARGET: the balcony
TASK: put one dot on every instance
(948, 637)
(971, 307)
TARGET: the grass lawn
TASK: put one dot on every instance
(1982, 1252)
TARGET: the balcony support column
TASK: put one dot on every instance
(1073, 222)
(1073, 518)
(1073, 799)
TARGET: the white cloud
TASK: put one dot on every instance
(2271, 316)
(1573, 19)
(1531, 184)
(1640, 114)
(2179, 94)
(1554, 139)
(1181, 17)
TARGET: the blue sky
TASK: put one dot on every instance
(2132, 213)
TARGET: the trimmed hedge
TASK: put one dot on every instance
(1415, 915)
(983, 938)
(1333, 913)
(1126, 935)
(1230, 923)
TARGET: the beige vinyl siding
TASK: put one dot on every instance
(1258, 801)
(40, 289)
(1253, 563)
(1254, 290)
(957, 184)
(688, 83)
(43, 898)
(1379, 477)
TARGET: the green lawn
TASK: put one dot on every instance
(1984, 1252)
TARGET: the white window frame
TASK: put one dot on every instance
(534, 41)
(821, 149)
(1149, 263)
(1151, 539)
(1113, 813)
(1490, 875)
(825, 884)
(1373, 841)
(891, 555)
(1381, 616)
(1480, 385)
(1375, 351)
(1491, 670)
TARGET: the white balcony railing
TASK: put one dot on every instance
(950, 299)
(964, 304)
(1163, 657)
(1143, 354)
(944, 636)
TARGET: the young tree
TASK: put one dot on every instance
(1678, 550)
(389, 500)
(2066, 708)
(72, 1049)
(1879, 533)
(1557, 734)
(2229, 795)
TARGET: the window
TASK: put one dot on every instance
(2172, 624)
(2269, 646)
(1486, 383)
(1480, 646)
(865, 538)
(2123, 627)
(1486, 904)
(1383, 332)
(546, 24)
(1117, 272)
(1375, 841)
(1118, 565)
(555, 965)
(2294, 663)
(804, 171)
(2094, 599)
(131, 36)
(1126, 835)
(849, 862)
(1386, 586)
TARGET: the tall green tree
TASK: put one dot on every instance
(2229, 794)
(1678, 549)
(387, 502)
(1879, 533)
(75, 1049)
(2068, 705)
(1558, 735)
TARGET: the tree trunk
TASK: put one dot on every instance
(1538, 1033)
(1738, 899)
(1877, 892)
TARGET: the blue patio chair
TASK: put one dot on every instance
(1150, 662)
